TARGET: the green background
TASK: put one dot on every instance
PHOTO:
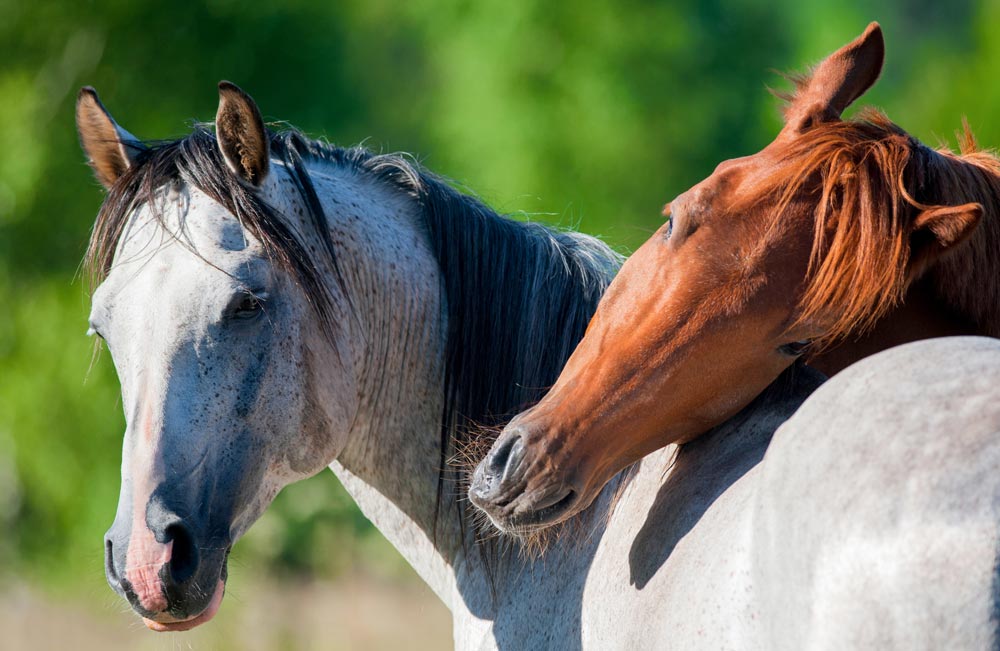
(588, 114)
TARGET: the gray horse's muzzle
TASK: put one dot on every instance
(169, 571)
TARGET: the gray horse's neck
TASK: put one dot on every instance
(392, 461)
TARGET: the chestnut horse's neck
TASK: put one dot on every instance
(922, 315)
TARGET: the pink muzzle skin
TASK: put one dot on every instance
(146, 555)
(143, 561)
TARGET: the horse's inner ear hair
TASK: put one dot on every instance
(241, 135)
(110, 149)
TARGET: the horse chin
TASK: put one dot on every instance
(524, 519)
(167, 624)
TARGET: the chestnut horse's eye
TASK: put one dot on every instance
(670, 228)
(794, 348)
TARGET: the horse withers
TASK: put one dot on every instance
(839, 239)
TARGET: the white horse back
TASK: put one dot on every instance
(877, 506)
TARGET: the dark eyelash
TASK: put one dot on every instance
(250, 306)
(795, 348)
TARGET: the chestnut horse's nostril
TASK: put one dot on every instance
(183, 556)
(503, 460)
(497, 471)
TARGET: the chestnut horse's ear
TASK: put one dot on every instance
(110, 149)
(840, 79)
(939, 229)
(240, 132)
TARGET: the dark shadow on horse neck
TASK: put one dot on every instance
(922, 314)
(518, 298)
(705, 468)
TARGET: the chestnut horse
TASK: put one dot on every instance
(841, 238)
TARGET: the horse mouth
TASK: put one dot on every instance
(167, 624)
(527, 519)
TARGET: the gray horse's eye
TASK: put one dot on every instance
(248, 306)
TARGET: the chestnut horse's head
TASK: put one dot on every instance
(813, 238)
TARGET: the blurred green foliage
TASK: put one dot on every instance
(593, 113)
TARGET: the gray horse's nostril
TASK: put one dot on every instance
(184, 554)
(109, 563)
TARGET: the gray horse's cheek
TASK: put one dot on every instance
(314, 448)
(276, 401)
(248, 389)
(313, 389)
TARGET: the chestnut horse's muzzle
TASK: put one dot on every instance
(511, 487)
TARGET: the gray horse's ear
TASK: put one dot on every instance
(240, 132)
(840, 79)
(110, 149)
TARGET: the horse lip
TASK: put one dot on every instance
(168, 621)
(186, 624)
(549, 510)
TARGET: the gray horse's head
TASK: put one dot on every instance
(210, 305)
(273, 304)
